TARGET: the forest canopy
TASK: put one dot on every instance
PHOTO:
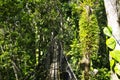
(59, 40)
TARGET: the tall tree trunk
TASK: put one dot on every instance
(112, 11)
(89, 38)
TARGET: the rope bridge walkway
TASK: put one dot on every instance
(57, 64)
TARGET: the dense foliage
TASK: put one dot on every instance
(27, 28)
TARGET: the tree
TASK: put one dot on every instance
(112, 10)
(89, 37)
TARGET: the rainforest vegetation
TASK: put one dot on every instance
(59, 40)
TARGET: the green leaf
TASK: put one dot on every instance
(115, 54)
(1, 31)
(107, 31)
(110, 29)
(117, 69)
(14, 34)
(111, 43)
(111, 63)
